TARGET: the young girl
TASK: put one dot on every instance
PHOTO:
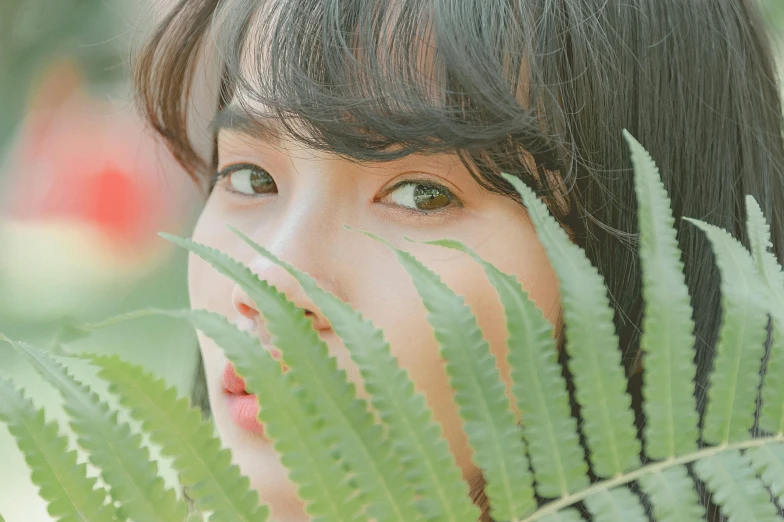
(397, 116)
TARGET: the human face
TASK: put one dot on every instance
(296, 201)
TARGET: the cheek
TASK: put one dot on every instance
(392, 304)
(207, 288)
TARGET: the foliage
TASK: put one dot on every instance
(349, 466)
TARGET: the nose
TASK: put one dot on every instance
(305, 231)
(286, 284)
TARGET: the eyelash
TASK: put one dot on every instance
(223, 174)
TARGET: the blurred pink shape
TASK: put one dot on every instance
(86, 175)
(93, 161)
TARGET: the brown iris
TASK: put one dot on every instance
(261, 182)
(428, 197)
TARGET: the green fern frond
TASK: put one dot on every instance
(772, 414)
(672, 495)
(592, 345)
(321, 481)
(480, 394)
(667, 342)
(768, 462)
(565, 515)
(63, 482)
(429, 466)
(350, 427)
(735, 488)
(539, 387)
(204, 467)
(759, 238)
(616, 505)
(111, 445)
(732, 390)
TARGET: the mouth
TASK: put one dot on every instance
(243, 407)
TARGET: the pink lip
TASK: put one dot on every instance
(243, 407)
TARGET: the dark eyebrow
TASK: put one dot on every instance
(233, 119)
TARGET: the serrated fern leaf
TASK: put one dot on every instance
(672, 494)
(768, 462)
(732, 390)
(539, 387)
(592, 345)
(772, 413)
(565, 515)
(480, 394)
(348, 422)
(735, 488)
(429, 466)
(759, 238)
(667, 342)
(321, 481)
(63, 483)
(615, 505)
(110, 445)
(204, 467)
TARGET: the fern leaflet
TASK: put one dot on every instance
(594, 357)
(480, 394)
(63, 482)
(539, 387)
(419, 447)
(772, 414)
(565, 515)
(667, 342)
(111, 445)
(671, 492)
(735, 488)
(616, 505)
(322, 482)
(213, 482)
(351, 427)
(732, 391)
(768, 462)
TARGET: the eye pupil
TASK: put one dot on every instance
(430, 198)
(261, 182)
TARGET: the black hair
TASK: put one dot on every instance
(540, 89)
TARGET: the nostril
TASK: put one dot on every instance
(247, 311)
(243, 304)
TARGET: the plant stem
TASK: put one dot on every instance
(625, 478)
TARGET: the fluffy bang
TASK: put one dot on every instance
(375, 80)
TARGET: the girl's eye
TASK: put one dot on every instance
(424, 197)
(247, 179)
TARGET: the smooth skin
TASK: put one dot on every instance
(296, 202)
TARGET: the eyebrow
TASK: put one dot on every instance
(231, 118)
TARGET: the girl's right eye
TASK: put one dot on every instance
(246, 179)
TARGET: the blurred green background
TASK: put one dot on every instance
(77, 171)
(83, 189)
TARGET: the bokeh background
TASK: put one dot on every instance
(84, 188)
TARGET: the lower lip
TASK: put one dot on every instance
(244, 410)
